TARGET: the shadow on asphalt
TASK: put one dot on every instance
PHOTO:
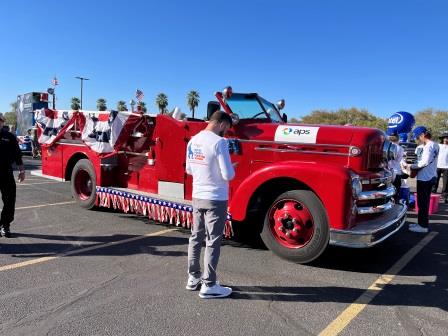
(424, 294)
(430, 264)
(147, 245)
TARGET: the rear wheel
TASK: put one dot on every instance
(83, 184)
(296, 226)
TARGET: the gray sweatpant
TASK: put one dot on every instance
(209, 218)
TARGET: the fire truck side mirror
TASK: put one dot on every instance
(284, 117)
(212, 107)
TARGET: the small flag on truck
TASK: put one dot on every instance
(55, 81)
(139, 95)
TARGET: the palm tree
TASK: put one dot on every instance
(192, 101)
(143, 106)
(121, 106)
(75, 104)
(162, 102)
(101, 104)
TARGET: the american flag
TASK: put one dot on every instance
(55, 81)
(139, 95)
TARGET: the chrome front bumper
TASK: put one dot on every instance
(371, 232)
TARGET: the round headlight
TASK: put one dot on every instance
(281, 104)
(227, 92)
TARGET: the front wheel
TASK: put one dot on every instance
(296, 226)
(83, 184)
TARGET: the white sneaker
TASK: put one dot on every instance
(418, 228)
(215, 291)
(193, 283)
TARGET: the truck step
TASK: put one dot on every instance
(159, 208)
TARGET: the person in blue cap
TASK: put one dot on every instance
(426, 176)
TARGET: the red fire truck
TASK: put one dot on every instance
(306, 185)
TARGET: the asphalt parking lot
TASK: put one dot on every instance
(70, 271)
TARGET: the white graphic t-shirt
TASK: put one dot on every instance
(208, 161)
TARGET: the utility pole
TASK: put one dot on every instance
(82, 80)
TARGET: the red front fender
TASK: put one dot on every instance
(330, 183)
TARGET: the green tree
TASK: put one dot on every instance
(293, 121)
(121, 106)
(435, 120)
(162, 102)
(75, 104)
(11, 116)
(352, 116)
(192, 101)
(143, 106)
(101, 104)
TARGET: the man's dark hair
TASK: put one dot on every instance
(220, 116)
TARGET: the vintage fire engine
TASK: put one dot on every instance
(301, 187)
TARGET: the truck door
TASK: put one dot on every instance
(170, 149)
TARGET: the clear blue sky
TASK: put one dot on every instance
(381, 55)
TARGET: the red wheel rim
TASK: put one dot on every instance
(291, 223)
(83, 184)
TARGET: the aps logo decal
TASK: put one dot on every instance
(303, 134)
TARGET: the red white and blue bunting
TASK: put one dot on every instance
(156, 209)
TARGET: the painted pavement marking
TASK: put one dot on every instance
(82, 250)
(344, 319)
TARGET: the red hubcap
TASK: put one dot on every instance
(83, 185)
(291, 223)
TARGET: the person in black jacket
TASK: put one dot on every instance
(9, 153)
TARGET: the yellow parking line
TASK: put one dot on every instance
(82, 250)
(344, 319)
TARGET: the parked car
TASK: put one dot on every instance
(409, 150)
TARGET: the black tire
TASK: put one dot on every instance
(321, 233)
(83, 184)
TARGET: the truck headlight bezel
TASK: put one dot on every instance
(356, 185)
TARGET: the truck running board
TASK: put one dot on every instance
(167, 210)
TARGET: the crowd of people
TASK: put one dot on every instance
(431, 166)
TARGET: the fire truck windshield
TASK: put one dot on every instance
(251, 106)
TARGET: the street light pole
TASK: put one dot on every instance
(82, 80)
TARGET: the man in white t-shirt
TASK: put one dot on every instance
(442, 166)
(208, 161)
(426, 176)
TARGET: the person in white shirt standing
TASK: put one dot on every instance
(395, 166)
(442, 166)
(426, 177)
(208, 161)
